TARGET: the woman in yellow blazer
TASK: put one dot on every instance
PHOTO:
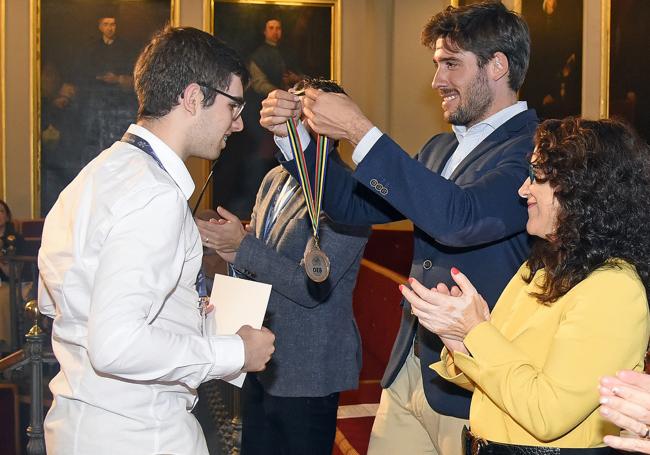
(575, 311)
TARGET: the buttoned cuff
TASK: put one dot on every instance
(284, 143)
(228, 354)
(365, 144)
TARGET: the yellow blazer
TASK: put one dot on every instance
(534, 368)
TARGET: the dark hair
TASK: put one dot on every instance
(600, 174)
(269, 19)
(177, 57)
(9, 227)
(7, 209)
(325, 85)
(484, 29)
(318, 83)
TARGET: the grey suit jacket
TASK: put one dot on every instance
(317, 346)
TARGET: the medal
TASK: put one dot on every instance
(317, 264)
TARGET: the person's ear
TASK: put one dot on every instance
(499, 65)
(191, 98)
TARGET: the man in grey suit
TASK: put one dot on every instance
(291, 407)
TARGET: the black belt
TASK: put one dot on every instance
(475, 446)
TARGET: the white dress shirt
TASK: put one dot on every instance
(118, 262)
(468, 138)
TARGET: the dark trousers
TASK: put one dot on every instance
(286, 425)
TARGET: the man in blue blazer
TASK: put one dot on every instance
(460, 192)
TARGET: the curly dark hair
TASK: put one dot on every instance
(484, 29)
(600, 173)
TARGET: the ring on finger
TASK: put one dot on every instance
(646, 433)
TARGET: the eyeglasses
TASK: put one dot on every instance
(237, 108)
(531, 172)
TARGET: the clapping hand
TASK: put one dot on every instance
(450, 314)
(223, 234)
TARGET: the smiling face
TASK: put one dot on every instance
(215, 123)
(543, 206)
(463, 86)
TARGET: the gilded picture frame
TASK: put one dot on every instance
(3, 107)
(82, 87)
(309, 45)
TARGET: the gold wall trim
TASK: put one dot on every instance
(605, 31)
(35, 105)
(208, 199)
(3, 103)
(337, 29)
(175, 16)
(208, 16)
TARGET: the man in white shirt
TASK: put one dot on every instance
(460, 193)
(119, 266)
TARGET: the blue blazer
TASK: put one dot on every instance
(474, 220)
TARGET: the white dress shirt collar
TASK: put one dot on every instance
(170, 160)
(492, 122)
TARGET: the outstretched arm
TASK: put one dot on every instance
(389, 185)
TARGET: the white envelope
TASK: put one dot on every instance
(237, 302)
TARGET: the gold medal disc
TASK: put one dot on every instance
(317, 265)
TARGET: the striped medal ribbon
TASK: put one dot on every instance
(317, 264)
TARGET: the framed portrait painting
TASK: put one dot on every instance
(553, 84)
(84, 80)
(629, 92)
(281, 42)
